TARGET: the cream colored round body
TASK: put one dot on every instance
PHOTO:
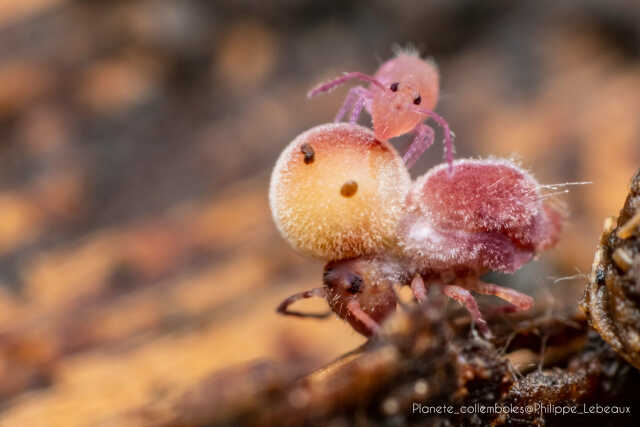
(337, 192)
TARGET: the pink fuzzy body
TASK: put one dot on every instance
(486, 215)
(402, 93)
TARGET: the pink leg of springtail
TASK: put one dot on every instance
(358, 97)
(351, 98)
(423, 140)
(358, 106)
(464, 297)
(419, 289)
(283, 308)
(518, 300)
(325, 87)
(356, 311)
(448, 139)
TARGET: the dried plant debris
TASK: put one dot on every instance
(612, 297)
(422, 370)
(595, 379)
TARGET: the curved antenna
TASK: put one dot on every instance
(326, 87)
(283, 308)
(448, 135)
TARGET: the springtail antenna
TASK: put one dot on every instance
(326, 87)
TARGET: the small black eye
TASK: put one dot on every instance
(327, 277)
(309, 154)
(418, 100)
(394, 87)
(355, 283)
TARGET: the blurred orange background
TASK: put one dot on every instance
(137, 251)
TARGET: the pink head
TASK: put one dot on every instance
(409, 82)
(401, 94)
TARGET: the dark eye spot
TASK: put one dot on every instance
(327, 275)
(418, 100)
(394, 87)
(309, 154)
(355, 284)
(349, 188)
